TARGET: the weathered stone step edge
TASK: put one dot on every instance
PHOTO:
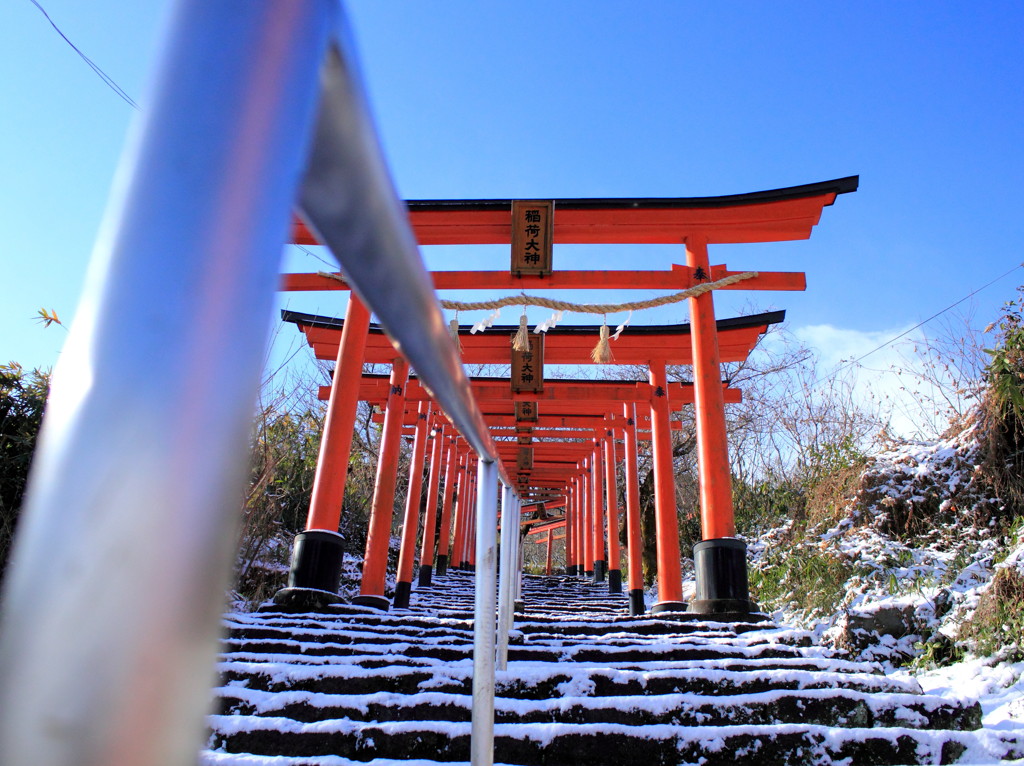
(594, 608)
(537, 684)
(310, 628)
(584, 602)
(808, 664)
(537, 600)
(553, 595)
(601, 744)
(563, 599)
(576, 614)
(757, 622)
(625, 638)
(347, 637)
(423, 627)
(217, 758)
(523, 653)
(594, 613)
(366, 615)
(821, 707)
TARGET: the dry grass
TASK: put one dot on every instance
(828, 501)
(998, 622)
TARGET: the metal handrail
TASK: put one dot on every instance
(349, 202)
(113, 598)
(506, 580)
(126, 540)
(484, 613)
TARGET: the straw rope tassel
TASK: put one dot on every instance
(453, 330)
(521, 340)
(602, 353)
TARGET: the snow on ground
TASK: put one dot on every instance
(915, 547)
(911, 547)
(999, 687)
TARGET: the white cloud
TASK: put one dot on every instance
(895, 377)
(837, 345)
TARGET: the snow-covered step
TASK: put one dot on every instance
(542, 681)
(586, 682)
(821, 707)
(427, 625)
(396, 663)
(530, 744)
(339, 633)
(674, 651)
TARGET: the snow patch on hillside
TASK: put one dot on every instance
(913, 551)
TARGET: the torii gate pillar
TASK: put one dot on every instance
(720, 559)
(438, 455)
(317, 552)
(597, 501)
(375, 562)
(444, 535)
(411, 521)
(634, 542)
(614, 555)
(670, 587)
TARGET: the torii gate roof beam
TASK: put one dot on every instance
(766, 216)
(677, 278)
(563, 345)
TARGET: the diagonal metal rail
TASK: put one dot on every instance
(349, 202)
(110, 618)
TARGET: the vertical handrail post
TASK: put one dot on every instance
(509, 526)
(437, 457)
(474, 522)
(519, 564)
(482, 727)
(547, 557)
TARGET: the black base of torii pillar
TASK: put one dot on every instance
(315, 572)
(615, 581)
(636, 602)
(722, 585)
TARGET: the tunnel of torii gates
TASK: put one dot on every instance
(560, 439)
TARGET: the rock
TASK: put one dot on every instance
(860, 630)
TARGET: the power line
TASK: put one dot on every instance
(919, 324)
(92, 65)
(307, 251)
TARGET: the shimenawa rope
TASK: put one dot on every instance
(602, 353)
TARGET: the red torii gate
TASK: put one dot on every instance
(579, 403)
(778, 215)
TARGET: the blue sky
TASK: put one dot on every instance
(588, 99)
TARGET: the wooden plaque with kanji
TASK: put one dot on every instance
(526, 412)
(532, 233)
(528, 366)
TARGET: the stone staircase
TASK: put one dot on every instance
(586, 683)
